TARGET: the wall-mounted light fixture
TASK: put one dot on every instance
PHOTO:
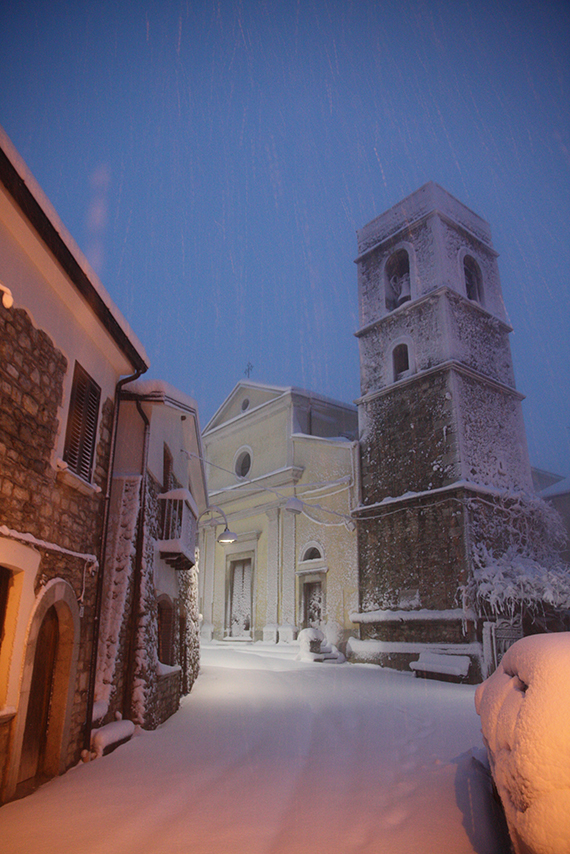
(227, 536)
(294, 505)
(7, 298)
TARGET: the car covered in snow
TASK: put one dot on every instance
(525, 719)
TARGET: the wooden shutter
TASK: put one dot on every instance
(82, 423)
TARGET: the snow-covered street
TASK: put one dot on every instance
(272, 755)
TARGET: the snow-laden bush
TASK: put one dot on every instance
(511, 582)
(515, 519)
(515, 556)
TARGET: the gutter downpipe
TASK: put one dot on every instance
(102, 550)
(139, 556)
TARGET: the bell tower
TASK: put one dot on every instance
(441, 427)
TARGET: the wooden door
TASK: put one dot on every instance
(41, 690)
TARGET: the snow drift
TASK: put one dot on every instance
(526, 726)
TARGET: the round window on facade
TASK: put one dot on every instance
(312, 553)
(243, 464)
(244, 404)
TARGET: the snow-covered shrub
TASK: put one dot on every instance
(513, 582)
(516, 568)
(526, 726)
(517, 520)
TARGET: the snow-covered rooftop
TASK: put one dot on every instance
(36, 207)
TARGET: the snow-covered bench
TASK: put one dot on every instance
(433, 665)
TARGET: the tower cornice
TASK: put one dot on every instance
(449, 365)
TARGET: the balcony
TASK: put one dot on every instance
(179, 529)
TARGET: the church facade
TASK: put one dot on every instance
(275, 457)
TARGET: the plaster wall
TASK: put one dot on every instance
(261, 433)
(54, 305)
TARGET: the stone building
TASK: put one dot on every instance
(557, 494)
(64, 349)
(148, 642)
(442, 442)
(293, 565)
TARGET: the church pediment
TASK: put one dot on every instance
(244, 397)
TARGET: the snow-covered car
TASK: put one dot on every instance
(525, 718)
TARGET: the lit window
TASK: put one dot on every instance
(82, 423)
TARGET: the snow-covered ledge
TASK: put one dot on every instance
(167, 669)
(108, 737)
(388, 616)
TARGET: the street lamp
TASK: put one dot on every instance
(227, 536)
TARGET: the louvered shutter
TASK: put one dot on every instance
(82, 423)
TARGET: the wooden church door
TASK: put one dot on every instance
(313, 596)
(240, 609)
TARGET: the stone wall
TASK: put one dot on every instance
(158, 696)
(33, 498)
(408, 440)
(413, 550)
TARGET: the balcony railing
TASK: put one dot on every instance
(179, 528)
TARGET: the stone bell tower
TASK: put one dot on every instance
(441, 427)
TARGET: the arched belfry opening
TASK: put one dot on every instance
(400, 361)
(473, 279)
(397, 284)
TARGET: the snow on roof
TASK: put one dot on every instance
(42, 216)
(428, 198)
(159, 391)
(280, 391)
(559, 488)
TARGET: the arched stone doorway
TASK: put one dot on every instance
(48, 690)
(34, 746)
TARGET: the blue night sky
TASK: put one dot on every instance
(213, 159)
